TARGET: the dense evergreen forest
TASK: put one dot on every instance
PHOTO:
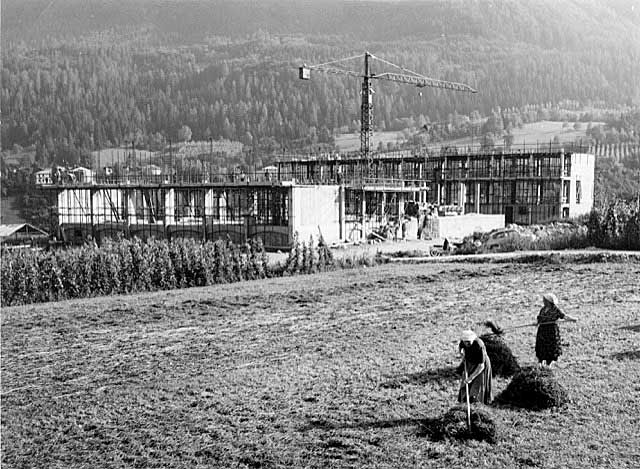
(81, 74)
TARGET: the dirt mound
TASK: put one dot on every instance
(453, 424)
(534, 388)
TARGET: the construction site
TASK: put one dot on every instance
(346, 198)
(427, 192)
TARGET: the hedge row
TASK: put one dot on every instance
(133, 265)
(125, 266)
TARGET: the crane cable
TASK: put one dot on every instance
(338, 60)
(406, 70)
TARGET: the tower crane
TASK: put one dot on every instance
(366, 109)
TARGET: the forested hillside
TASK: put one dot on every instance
(82, 74)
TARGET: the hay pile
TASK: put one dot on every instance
(534, 388)
(453, 424)
(503, 362)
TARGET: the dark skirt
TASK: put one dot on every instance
(548, 346)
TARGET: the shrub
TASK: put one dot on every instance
(123, 266)
(294, 259)
(325, 256)
(615, 227)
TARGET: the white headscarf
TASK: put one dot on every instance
(551, 298)
(468, 336)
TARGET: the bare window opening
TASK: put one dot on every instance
(578, 192)
(565, 192)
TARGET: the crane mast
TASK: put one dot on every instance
(366, 107)
(366, 112)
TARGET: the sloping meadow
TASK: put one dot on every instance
(338, 369)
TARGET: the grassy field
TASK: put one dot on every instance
(342, 369)
(351, 142)
(536, 132)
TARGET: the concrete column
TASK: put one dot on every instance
(364, 212)
(62, 216)
(209, 203)
(131, 207)
(462, 195)
(97, 207)
(93, 226)
(204, 213)
(293, 201)
(222, 206)
(125, 209)
(170, 207)
(477, 197)
(341, 219)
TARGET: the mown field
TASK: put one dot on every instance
(541, 132)
(342, 369)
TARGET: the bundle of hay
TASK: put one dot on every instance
(503, 362)
(534, 388)
(453, 424)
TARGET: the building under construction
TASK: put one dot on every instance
(435, 192)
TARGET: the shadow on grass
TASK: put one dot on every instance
(447, 373)
(634, 328)
(630, 355)
(321, 424)
(430, 428)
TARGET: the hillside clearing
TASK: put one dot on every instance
(541, 132)
(330, 370)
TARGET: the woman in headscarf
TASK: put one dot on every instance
(548, 345)
(478, 369)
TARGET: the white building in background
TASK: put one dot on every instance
(43, 177)
(84, 175)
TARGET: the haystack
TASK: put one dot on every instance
(453, 424)
(503, 362)
(534, 388)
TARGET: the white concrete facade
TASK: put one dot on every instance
(581, 184)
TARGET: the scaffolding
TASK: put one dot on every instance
(526, 184)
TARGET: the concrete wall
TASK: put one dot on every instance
(107, 206)
(583, 170)
(312, 207)
(74, 206)
(457, 227)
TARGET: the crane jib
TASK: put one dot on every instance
(366, 109)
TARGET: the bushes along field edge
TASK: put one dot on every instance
(133, 265)
(616, 226)
(126, 266)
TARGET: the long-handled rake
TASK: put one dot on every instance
(466, 388)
